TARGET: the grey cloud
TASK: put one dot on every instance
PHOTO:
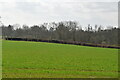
(29, 7)
(54, 10)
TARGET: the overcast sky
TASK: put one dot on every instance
(85, 12)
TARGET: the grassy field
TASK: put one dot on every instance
(50, 60)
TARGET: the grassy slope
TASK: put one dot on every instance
(37, 59)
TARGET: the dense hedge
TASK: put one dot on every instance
(64, 42)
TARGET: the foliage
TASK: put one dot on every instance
(66, 31)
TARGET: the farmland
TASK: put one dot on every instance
(50, 60)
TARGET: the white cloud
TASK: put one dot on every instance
(60, 0)
(38, 11)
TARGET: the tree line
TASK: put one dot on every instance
(68, 31)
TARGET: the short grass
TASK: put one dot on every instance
(49, 60)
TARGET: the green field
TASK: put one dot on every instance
(49, 60)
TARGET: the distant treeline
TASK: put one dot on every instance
(67, 31)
